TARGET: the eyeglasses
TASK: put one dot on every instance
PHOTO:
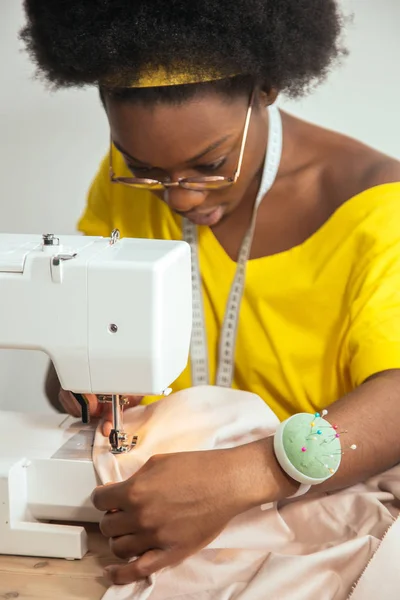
(215, 182)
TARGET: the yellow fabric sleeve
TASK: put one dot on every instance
(374, 331)
(96, 218)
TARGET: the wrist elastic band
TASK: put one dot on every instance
(302, 489)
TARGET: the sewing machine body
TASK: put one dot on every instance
(46, 474)
(115, 317)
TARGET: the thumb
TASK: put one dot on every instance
(107, 412)
(141, 568)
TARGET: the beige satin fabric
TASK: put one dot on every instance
(313, 548)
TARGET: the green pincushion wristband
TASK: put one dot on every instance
(308, 447)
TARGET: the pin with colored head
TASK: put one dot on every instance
(352, 447)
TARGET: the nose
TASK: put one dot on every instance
(183, 200)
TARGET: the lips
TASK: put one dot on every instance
(207, 219)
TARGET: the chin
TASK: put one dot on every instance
(206, 219)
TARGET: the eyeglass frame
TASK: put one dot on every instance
(151, 184)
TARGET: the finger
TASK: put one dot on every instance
(133, 401)
(95, 407)
(106, 426)
(116, 523)
(72, 406)
(107, 413)
(112, 496)
(130, 546)
(107, 420)
(144, 566)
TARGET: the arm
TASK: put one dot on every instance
(371, 416)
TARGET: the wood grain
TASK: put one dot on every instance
(50, 587)
(28, 578)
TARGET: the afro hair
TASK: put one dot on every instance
(287, 44)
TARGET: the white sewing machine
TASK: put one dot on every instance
(114, 316)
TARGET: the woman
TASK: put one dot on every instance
(200, 151)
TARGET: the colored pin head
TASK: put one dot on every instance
(302, 437)
(352, 447)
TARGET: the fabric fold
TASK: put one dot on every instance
(312, 548)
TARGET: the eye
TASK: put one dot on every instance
(212, 166)
(139, 170)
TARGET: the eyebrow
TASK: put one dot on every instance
(209, 148)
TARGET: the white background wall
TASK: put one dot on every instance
(51, 144)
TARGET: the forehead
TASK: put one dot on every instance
(166, 134)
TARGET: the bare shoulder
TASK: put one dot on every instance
(352, 167)
(383, 170)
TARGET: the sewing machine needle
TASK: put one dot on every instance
(116, 413)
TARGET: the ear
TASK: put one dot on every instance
(268, 97)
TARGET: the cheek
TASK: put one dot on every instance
(160, 194)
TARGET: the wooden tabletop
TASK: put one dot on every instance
(28, 578)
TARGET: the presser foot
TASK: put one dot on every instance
(119, 442)
(118, 439)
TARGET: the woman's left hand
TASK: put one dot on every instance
(175, 505)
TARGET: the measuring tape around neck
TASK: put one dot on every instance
(227, 343)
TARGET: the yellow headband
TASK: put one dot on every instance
(160, 77)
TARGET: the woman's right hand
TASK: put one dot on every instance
(96, 409)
